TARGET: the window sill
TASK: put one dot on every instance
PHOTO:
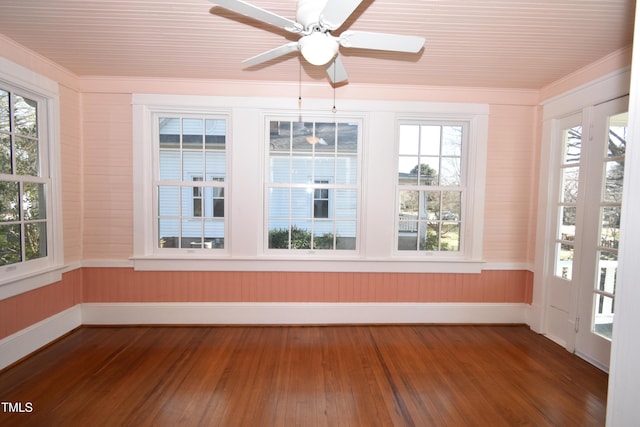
(306, 264)
(29, 281)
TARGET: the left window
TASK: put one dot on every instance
(191, 181)
(30, 242)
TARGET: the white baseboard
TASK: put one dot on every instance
(24, 342)
(300, 313)
(28, 340)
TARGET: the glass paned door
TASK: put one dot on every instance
(609, 223)
(603, 175)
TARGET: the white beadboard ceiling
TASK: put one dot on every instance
(471, 43)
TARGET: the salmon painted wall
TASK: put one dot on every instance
(127, 285)
(108, 229)
(98, 200)
(23, 310)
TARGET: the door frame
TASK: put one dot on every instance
(577, 101)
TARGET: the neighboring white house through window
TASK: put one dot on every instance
(313, 185)
(191, 181)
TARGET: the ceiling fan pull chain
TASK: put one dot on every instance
(334, 109)
(299, 85)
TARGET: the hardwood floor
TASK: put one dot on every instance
(308, 376)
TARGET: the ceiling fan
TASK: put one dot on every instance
(315, 22)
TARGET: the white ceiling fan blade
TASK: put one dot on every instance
(260, 14)
(271, 54)
(381, 41)
(336, 71)
(336, 12)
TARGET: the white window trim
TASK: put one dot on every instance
(23, 277)
(474, 178)
(146, 170)
(246, 158)
(317, 253)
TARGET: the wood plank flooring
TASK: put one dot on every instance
(308, 376)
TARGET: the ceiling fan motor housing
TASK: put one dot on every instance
(308, 12)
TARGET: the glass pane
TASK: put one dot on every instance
(170, 165)
(430, 140)
(610, 227)
(568, 223)
(192, 133)
(572, 145)
(569, 185)
(431, 204)
(279, 171)
(301, 170)
(347, 138)
(564, 261)
(25, 116)
(168, 201)
(346, 204)
(213, 234)
(192, 164)
(346, 170)
(408, 170)
(26, 156)
(169, 233)
(9, 201)
(450, 236)
(451, 205)
(217, 195)
(280, 136)
(608, 269)
(321, 208)
(301, 235)
(279, 203)
(5, 123)
(215, 134)
(5, 154)
(407, 235)
(301, 199)
(409, 202)
(326, 134)
(191, 202)
(169, 129)
(603, 315)
(323, 168)
(33, 201)
(409, 140)
(452, 141)
(450, 171)
(323, 237)
(613, 181)
(303, 139)
(279, 234)
(429, 236)
(10, 251)
(191, 233)
(617, 135)
(216, 165)
(428, 170)
(346, 235)
(35, 240)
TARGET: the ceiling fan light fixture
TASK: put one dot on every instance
(318, 48)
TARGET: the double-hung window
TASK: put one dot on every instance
(191, 181)
(29, 188)
(313, 185)
(431, 185)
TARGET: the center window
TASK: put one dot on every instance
(313, 185)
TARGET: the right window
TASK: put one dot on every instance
(431, 186)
